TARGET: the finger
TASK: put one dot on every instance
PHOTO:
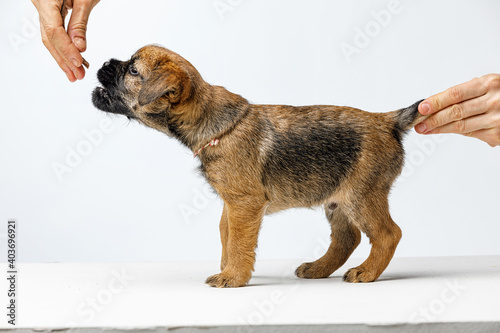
(57, 57)
(80, 72)
(62, 43)
(454, 95)
(50, 17)
(464, 126)
(67, 52)
(77, 27)
(52, 22)
(453, 114)
(491, 136)
(73, 73)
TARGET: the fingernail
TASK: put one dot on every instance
(425, 108)
(421, 128)
(75, 62)
(79, 42)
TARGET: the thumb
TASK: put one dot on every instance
(77, 26)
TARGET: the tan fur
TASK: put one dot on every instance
(255, 177)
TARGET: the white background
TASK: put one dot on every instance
(125, 199)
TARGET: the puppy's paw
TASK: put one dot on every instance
(359, 274)
(224, 280)
(312, 270)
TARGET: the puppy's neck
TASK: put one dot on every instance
(211, 114)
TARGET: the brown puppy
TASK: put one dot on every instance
(265, 158)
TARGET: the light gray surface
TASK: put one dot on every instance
(419, 328)
(413, 295)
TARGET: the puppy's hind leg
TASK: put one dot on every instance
(345, 238)
(373, 218)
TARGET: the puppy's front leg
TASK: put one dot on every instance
(243, 222)
(224, 231)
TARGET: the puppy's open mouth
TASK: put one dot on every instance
(101, 98)
(102, 93)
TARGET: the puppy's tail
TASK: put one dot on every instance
(408, 117)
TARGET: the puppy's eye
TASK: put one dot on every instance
(132, 71)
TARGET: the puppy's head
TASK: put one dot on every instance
(148, 87)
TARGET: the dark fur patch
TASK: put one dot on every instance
(311, 160)
(397, 133)
(174, 128)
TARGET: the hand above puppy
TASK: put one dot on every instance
(66, 46)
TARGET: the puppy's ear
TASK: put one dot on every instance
(161, 82)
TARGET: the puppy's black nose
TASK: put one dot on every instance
(111, 72)
(108, 72)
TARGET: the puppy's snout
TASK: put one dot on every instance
(109, 72)
(111, 65)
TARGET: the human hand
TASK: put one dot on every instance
(65, 47)
(471, 109)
